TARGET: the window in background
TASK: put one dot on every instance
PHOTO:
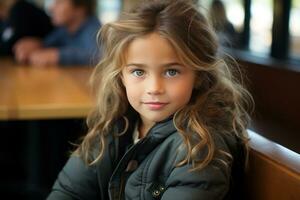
(235, 13)
(108, 10)
(261, 26)
(295, 29)
(47, 3)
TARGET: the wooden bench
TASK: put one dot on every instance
(274, 171)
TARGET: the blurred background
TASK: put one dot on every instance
(262, 35)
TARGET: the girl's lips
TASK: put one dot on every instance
(155, 105)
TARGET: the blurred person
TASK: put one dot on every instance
(223, 27)
(73, 42)
(20, 19)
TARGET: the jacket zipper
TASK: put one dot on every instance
(125, 174)
(124, 177)
(121, 187)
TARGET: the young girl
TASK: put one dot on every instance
(170, 120)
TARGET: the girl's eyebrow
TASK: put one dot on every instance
(145, 66)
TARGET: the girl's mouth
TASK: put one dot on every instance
(155, 105)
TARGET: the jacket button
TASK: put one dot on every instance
(156, 193)
(161, 188)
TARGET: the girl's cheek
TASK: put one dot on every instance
(134, 79)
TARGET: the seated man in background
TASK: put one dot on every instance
(73, 42)
(20, 19)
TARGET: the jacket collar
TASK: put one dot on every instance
(159, 131)
(162, 130)
(139, 151)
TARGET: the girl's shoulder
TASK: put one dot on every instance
(226, 147)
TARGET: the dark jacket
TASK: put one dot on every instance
(24, 19)
(146, 170)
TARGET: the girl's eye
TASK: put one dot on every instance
(138, 72)
(171, 72)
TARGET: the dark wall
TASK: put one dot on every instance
(276, 92)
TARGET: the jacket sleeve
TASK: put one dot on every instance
(78, 55)
(210, 183)
(75, 181)
(84, 51)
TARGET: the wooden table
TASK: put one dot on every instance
(36, 94)
(28, 92)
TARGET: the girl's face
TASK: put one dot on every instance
(156, 83)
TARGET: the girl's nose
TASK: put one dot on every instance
(155, 86)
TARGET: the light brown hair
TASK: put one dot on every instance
(218, 104)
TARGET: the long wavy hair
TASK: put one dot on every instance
(219, 103)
